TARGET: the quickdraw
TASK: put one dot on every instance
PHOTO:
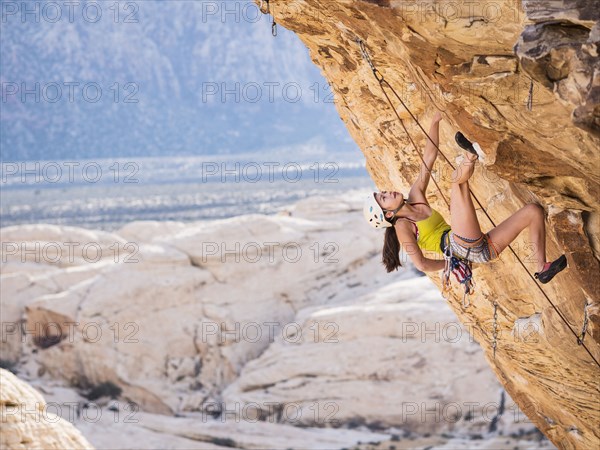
(495, 329)
(268, 11)
(530, 97)
(581, 336)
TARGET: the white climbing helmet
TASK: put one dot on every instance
(373, 213)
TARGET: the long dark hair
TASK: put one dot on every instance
(391, 248)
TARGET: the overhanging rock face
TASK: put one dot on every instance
(482, 64)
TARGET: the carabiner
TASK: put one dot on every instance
(261, 7)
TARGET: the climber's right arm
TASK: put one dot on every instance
(408, 241)
(419, 187)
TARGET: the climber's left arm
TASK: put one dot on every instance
(419, 188)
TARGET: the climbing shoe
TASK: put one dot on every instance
(465, 144)
(555, 267)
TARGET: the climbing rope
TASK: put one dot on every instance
(381, 80)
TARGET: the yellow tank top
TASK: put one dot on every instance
(430, 230)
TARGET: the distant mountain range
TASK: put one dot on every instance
(151, 78)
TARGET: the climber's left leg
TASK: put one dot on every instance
(530, 216)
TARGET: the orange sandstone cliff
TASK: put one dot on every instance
(523, 79)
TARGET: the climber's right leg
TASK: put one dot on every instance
(462, 211)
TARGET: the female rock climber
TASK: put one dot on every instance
(415, 225)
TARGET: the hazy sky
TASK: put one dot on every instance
(157, 78)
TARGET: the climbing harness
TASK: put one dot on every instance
(268, 11)
(581, 337)
(478, 250)
(381, 80)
